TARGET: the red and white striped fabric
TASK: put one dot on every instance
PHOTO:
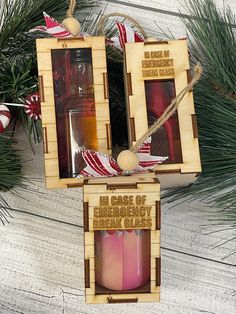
(126, 34)
(146, 160)
(52, 27)
(5, 117)
(99, 165)
(102, 165)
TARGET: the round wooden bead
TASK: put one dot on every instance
(72, 25)
(127, 160)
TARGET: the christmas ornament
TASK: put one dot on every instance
(122, 239)
(5, 117)
(32, 106)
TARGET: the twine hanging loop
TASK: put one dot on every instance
(170, 110)
(102, 23)
(70, 11)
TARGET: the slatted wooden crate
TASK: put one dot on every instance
(46, 48)
(155, 73)
(138, 189)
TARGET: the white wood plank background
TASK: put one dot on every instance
(41, 250)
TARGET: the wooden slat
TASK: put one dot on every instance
(158, 271)
(195, 128)
(125, 300)
(86, 215)
(142, 297)
(105, 84)
(45, 140)
(157, 42)
(155, 250)
(132, 129)
(41, 88)
(45, 45)
(158, 215)
(129, 84)
(108, 133)
(189, 78)
(86, 273)
(123, 186)
(155, 236)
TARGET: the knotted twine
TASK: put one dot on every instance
(70, 11)
(102, 22)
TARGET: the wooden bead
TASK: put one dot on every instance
(127, 160)
(72, 25)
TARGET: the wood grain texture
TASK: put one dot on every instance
(136, 64)
(41, 250)
(44, 59)
(41, 260)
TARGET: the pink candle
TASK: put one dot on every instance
(122, 258)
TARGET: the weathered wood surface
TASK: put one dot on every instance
(41, 250)
(41, 260)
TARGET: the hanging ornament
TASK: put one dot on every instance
(32, 106)
(5, 117)
(127, 160)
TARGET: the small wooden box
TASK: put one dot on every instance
(74, 103)
(135, 202)
(155, 72)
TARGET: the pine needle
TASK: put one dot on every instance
(213, 43)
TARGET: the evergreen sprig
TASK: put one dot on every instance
(10, 164)
(212, 40)
(213, 43)
(18, 52)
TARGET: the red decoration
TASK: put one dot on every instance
(52, 27)
(32, 106)
(5, 117)
(102, 165)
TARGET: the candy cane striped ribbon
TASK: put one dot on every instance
(102, 165)
(52, 27)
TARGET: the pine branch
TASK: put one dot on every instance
(18, 52)
(10, 164)
(213, 43)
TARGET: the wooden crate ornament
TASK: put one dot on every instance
(155, 72)
(74, 104)
(121, 231)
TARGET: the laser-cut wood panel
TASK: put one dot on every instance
(163, 62)
(123, 190)
(47, 90)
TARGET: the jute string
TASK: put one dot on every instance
(170, 110)
(102, 22)
(70, 11)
